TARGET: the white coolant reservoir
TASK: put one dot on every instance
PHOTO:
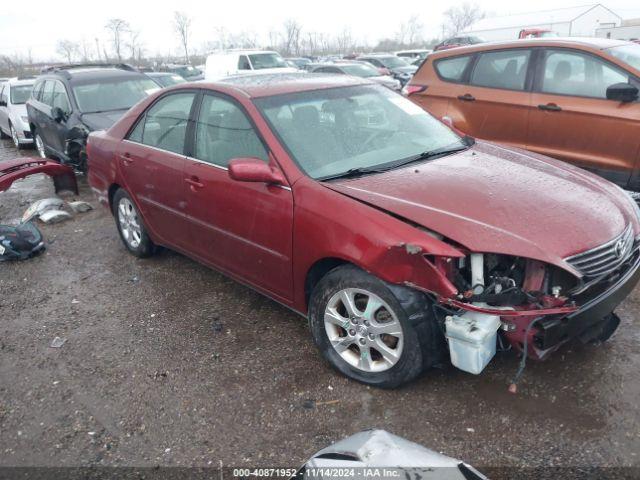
(472, 340)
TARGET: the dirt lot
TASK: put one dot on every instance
(169, 363)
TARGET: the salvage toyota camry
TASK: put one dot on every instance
(402, 242)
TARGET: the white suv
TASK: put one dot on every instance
(238, 62)
(14, 122)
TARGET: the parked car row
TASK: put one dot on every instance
(14, 122)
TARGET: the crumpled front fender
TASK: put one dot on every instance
(63, 176)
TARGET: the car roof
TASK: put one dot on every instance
(161, 74)
(591, 42)
(266, 85)
(21, 81)
(85, 74)
(241, 52)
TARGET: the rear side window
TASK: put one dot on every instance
(165, 124)
(60, 98)
(47, 92)
(578, 74)
(37, 91)
(503, 69)
(223, 133)
(452, 69)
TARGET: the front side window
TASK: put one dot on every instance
(452, 69)
(503, 69)
(332, 131)
(112, 94)
(223, 133)
(164, 125)
(37, 91)
(243, 63)
(579, 74)
(60, 98)
(20, 94)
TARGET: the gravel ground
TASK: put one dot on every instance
(169, 363)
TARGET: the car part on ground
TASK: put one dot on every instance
(54, 216)
(20, 242)
(64, 178)
(380, 454)
(39, 207)
(361, 201)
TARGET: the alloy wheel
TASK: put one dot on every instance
(14, 137)
(129, 223)
(363, 330)
(40, 146)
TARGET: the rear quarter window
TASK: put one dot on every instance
(452, 69)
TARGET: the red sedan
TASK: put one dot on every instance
(402, 242)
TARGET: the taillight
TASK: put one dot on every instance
(408, 90)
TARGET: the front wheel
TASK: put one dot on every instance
(14, 137)
(42, 151)
(364, 331)
(130, 226)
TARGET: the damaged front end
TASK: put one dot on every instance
(63, 176)
(532, 306)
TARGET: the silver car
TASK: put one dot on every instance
(358, 69)
(14, 122)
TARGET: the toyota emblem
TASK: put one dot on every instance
(619, 248)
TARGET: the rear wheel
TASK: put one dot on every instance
(364, 331)
(130, 226)
(3, 135)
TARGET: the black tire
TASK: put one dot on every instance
(38, 139)
(607, 328)
(144, 247)
(3, 135)
(422, 339)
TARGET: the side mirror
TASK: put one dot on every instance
(3, 103)
(58, 114)
(254, 170)
(622, 92)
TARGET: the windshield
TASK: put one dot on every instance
(187, 71)
(21, 93)
(266, 60)
(112, 95)
(629, 54)
(330, 132)
(363, 71)
(168, 80)
(393, 62)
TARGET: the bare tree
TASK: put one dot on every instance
(117, 28)
(67, 49)
(462, 16)
(182, 26)
(292, 32)
(345, 42)
(135, 45)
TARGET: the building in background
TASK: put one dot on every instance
(629, 30)
(581, 21)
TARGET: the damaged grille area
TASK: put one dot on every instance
(606, 258)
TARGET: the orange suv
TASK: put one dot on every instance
(574, 99)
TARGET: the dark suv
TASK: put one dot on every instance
(69, 102)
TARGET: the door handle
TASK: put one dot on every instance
(194, 182)
(126, 158)
(467, 97)
(550, 107)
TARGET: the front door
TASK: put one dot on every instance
(152, 160)
(571, 118)
(240, 227)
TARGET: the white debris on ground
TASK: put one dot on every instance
(51, 210)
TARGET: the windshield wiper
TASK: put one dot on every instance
(429, 155)
(353, 172)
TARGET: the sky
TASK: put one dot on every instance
(37, 25)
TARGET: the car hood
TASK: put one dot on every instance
(102, 121)
(499, 200)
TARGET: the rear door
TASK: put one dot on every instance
(243, 228)
(44, 121)
(494, 102)
(152, 160)
(571, 118)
